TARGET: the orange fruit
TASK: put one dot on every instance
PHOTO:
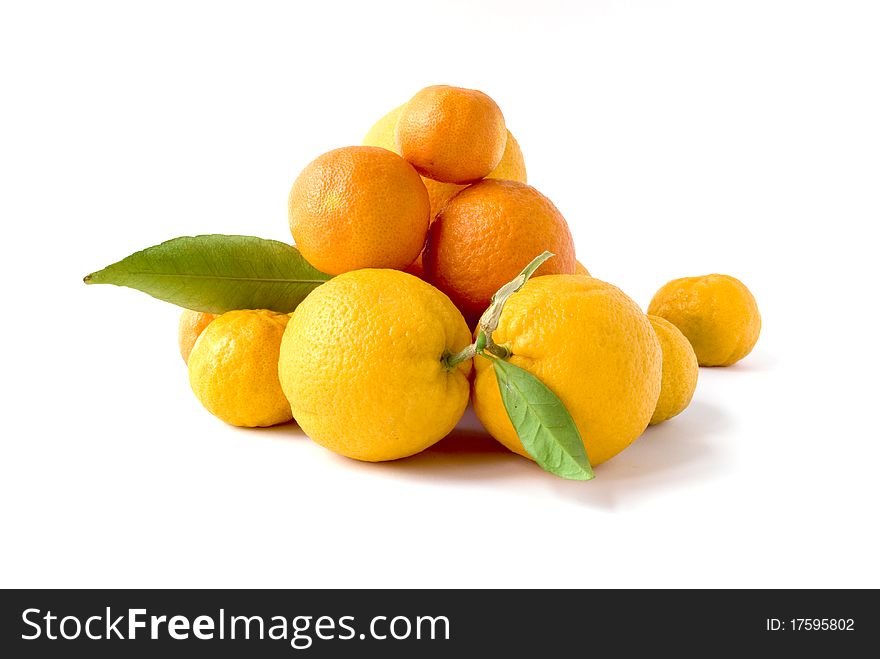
(190, 327)
(512, 166)
(451, 134)
(717, 314)
(359, 207)
(486, 235)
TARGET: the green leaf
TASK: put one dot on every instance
(217, 273)
(542, 423)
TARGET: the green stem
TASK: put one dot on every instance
(490, 318)
(501, 352)
(450, 361)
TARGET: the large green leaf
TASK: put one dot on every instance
(217, 273)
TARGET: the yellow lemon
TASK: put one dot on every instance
(362, 363)
(190, 327)
(233, 368)
(680, 370)
(592, 346)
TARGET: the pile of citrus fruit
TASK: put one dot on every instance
(452, 280)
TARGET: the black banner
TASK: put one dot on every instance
(317, 623)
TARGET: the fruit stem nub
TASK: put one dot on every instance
(450, 360)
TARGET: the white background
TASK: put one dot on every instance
(678, 138)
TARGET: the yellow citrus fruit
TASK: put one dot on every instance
(512, 166)
(233, 368)
(486, 235)
(359, 207)
(581, 269)
(680, 370)
(382, 132)
(717, 314)
(592, 346)
(362, 364)
(451, 134)
(190, 327)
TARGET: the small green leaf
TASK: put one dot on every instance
(217, 273)
(542, 423)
